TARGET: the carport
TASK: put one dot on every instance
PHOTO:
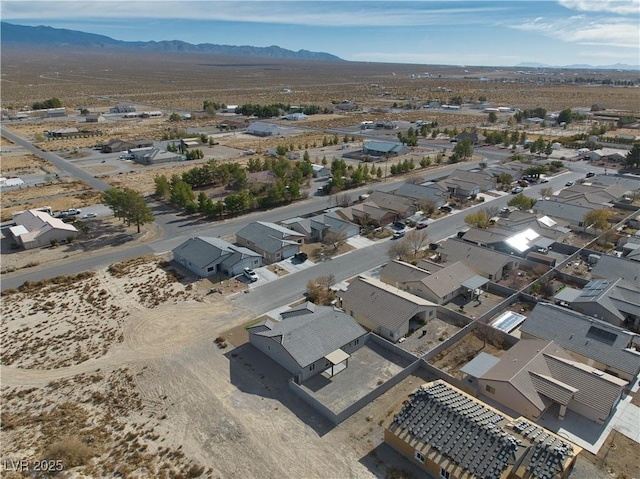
(475, 283)
(339, 361)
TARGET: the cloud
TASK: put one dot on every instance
(620, 7)
(595, 31)
(306, 13)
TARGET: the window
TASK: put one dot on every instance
(490, 389)
(210, 268)
(312, 367)
(431, 313)
(419, 457)
(356, 341)
(444, 474)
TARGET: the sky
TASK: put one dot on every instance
(450, 32)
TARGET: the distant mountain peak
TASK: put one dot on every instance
(583, 66)
(44, 35)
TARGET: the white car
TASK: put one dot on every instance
(250, 274)
(89, 215)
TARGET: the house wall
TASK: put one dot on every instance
(589, 412)
(408, 451)
(372, 325)
(597, 311)
(202, 272)
(251, 262)
(45, 238)
(510, 397)
(276, 352)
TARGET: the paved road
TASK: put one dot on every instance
(58, 162)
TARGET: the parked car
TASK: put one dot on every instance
(421, 224)
(398, 234)
(250, 274)
(569, 183)
(591, 174)
(301, 257)
(446, 208)
(399, 225)
(517, 189)
(89, 215)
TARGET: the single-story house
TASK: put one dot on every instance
(464, 183)
(152, 156)
(611, 154)
(401, 206)
(597, 343)
(95, 118)
(446, 284)
(117, 145)
(63, 133)
(315, 228)
(186, 143)
(384, 309)
(396, 273)
(573, 215)
(35, 229)
(320, 171)
(380, 149)
(368, 213)
(533, 375)
(450, 434)
(615, 301)
(272, 241)
(491, 264)
(263, 129)
(476, 138)
(309, 340)
(207, 256)
(426, 192)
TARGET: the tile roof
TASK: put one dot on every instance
(310, 336)
(397, 273)
(485, 261)
(455, 430)
(383, 304)
(574, 332)
(397, 204)
(613, 267)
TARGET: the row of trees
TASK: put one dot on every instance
(46, 104)
(128, 205)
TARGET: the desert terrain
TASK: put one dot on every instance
(125, 371)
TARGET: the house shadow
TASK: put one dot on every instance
(383, 462)
(252, 372)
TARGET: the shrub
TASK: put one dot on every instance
(71, 451)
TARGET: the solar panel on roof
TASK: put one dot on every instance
(606, 337)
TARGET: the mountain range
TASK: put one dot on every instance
(43, 35)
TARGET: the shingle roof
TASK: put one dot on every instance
(383, 146)
(268, 236)
(540, 369)
(383, 304)
(432, 192)
(485, 261)
(202, 250)
(397, 204)
(309, 337)
(558, 209)
(396, 273)
(613, 267)
(571, 331)
(448, 279)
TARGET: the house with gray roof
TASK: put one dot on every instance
(597, 343)
(207, 256)
(272, 241)
(492, 264)
(425, 192)
(613, 267)
(571, 214)
(315, 228)
(263, 129)
(612, 300)
(403, 207)
(446, 284)
(463, 183)
(534, 375)
(309, 340)
(379, 149)
(153, 156)
(384, 309)
(397, 273)
(368, 213)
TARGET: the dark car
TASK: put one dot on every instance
(300, 257)
(446, 208)
(399, 225)
(591, 174)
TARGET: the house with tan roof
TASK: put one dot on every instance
(384, 309)
(35, 229)
(403, 207)
(272, 241)
(446, 284)
(397, 273)
(538, 375)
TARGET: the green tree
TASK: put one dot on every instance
(162, 186)
(175, 117)
(479, 219)
(181, 193)
(129, 205)
(633, 157)
(464, 149)
(566, 116)
(493, 117)
(522, 202)
(597, 219)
